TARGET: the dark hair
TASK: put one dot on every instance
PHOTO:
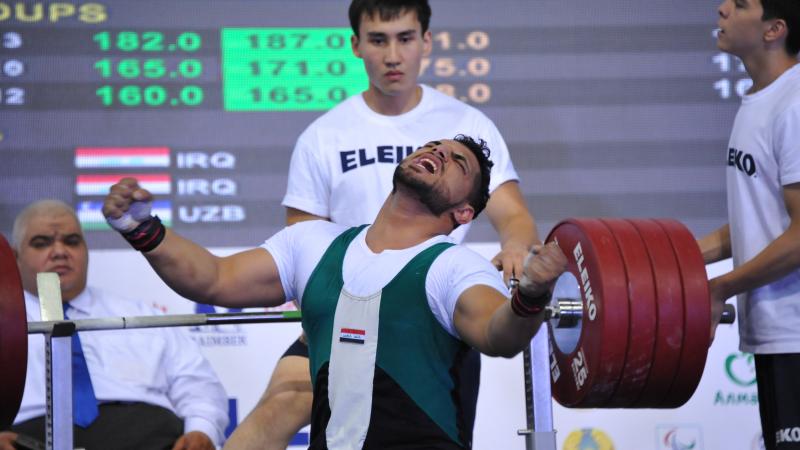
(480, 192)
(388, 10)
(789, 12)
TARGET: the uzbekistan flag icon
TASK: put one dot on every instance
(352, 335)
(91, 217)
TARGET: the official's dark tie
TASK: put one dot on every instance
(84, 403)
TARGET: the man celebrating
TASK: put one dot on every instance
(347, 157)
(147, 389)
(389, 309)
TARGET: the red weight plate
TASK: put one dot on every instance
(642, 306)
(669, 308)
(585, 376)
(697, 313)
(13, 336)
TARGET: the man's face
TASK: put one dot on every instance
(54, 243)
(741, 30)
(392, 52)
(442, 174)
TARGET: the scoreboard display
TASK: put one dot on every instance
(609, 108)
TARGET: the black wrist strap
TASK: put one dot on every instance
(147, 235)
(525, 306)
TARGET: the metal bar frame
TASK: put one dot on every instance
(58, 417)
(58, 354)
(539, 434)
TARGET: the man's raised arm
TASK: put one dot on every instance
(249, 278)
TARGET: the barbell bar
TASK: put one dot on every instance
(172, 320)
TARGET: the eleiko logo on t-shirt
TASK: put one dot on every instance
(391, 154)
(744, 162)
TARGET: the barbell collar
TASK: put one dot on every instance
(565, 312)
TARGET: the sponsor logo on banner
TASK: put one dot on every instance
(679, 437)
(740, 371)
(218, 335)
(588, 439)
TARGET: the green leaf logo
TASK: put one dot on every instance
(741, 368)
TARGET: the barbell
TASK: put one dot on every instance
(629, 326)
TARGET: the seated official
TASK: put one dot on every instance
(147, 388)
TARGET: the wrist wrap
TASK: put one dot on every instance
(525, 306)
(147, 235)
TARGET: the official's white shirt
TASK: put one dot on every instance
(158, 366)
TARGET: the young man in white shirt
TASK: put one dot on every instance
(763, 233)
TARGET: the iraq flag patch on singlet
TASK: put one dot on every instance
(352, 335)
